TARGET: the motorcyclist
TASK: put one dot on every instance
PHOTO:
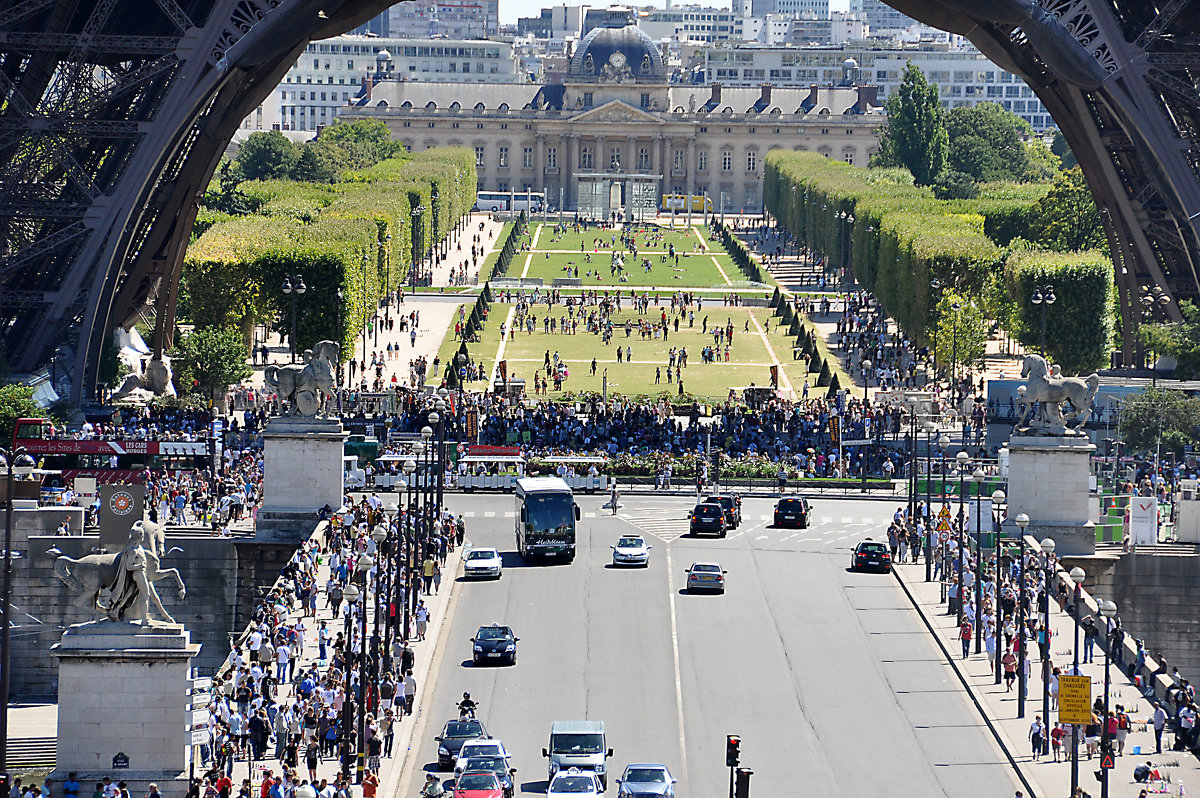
(433, 788)
(466, 707)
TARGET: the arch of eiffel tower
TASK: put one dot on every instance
(114, 117)
(1122, 81)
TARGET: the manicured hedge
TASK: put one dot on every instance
(354, 236)
(902, 239)
(1079, 324)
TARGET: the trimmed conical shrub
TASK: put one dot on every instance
(826, 374)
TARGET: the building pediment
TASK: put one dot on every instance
(616, 111)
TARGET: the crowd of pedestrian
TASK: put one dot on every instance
(315, 666)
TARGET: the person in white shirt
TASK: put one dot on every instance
(255, 644)
(283, 656)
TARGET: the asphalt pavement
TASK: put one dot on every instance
(828, 676)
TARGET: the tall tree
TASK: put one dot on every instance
(1158, 418)
(1180, 340)
(267, 155)
(1066, 219)
(987, 143)
(209, 360)
(365, 142)
(16, 401)
(915, 134)
(962, 332)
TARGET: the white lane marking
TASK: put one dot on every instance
(489, 514)
(468, 514)
(738, 535)
(761, 537)
(511, 514)
(589, 515)
(675, 655)
(789, 537)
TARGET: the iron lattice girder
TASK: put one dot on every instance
(150, 136)
(127, 47)
(1076, 58)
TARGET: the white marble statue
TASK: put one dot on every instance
(121, 585)
(308, 386)
(1050, 392)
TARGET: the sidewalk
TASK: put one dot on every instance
(1045, 778)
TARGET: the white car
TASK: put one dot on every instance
(631, 550)
(483, 562)
(480, 747)
(574, 782)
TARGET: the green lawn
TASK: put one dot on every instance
(694, 271)
(648, 238)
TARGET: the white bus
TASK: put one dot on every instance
(516, 201)
(546, 516)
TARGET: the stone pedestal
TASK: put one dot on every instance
(122, 689)
(302, 472)
(1048, 481)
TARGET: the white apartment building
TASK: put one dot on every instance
(817, 8)
(964, 76)
(691, 23)
(450, 19)
(330, 73)
(838, 28)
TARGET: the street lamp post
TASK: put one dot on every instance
(1109, 610)
(997, 502)
(1047, 546)
(866, 370)
(405, 531)
(1022, 521)
(293, 290)
(352, 595)
(962, 459)
(365, 562)
(13, 461)
(930, 428)
(956, 307)
(441, 406)
(414, 549)
(1043, 297)
(341, 337)
(382, 578)
(366, 317)
(1077, 577)
(943, 443)
(978, 477)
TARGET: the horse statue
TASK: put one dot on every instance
(309, 385)
(121, 585)
(1050, 391)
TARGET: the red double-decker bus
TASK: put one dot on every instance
(107, 460)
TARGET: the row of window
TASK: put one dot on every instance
(587, 159)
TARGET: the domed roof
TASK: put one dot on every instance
(617, 53)
(383, 55)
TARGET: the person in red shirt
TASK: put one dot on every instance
(370, 784)
(965, 632)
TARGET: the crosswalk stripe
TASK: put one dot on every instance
(489, 514)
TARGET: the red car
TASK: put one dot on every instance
(478, 784)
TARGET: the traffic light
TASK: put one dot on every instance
(733, 746)
(742, 790)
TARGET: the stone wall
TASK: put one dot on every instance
(224, 579)
(1157, 596)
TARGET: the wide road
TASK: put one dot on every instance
(829, 676)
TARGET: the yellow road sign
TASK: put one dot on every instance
(944, 512)
(943, 525)
(1075, 699)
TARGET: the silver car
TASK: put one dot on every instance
(483, 563)
(631, 550)
(705, 576)
(646, 781)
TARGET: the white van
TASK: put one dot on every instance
(578, 744)
(352, 475)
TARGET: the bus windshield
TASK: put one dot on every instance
(549, 512)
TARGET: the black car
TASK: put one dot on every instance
(497, 765)
(494, 644)
(454, 734)
(792, 512)
(709, 517)
(871, 554)
(732, 504)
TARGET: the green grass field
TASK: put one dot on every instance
(694, 271)
(749, 362)
(659, 238)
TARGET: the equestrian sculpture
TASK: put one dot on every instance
(121, 585)
(1050, 391)
(306, 387)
